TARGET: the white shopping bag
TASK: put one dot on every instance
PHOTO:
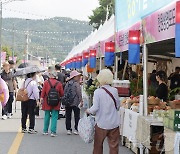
(86, 128)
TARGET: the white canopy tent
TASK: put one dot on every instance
(103, 33)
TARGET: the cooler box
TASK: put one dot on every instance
(123, 87)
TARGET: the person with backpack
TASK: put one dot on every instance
(72, 100)
(51, 93)
(28, 106)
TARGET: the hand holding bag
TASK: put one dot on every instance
(86, 128)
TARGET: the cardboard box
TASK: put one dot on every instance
(175, 104)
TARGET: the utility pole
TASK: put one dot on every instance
(27, 41)
(13, 43)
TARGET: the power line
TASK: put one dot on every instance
(52, 38)
(46, 17)
(70, 32)
(49, 32)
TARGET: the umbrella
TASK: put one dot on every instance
(26, 70)
(23, 65)
(42, 69)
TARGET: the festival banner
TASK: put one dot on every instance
(129, 12)
(122, 37)
(3, 57)
(160, 25)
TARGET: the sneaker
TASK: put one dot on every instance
(69, 132)
(53, 134)
(45, 133)
(4, 117)
(32, 131)
(76, 132)
(9, 116)
(24, 131)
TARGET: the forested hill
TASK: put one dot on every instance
(55, 36)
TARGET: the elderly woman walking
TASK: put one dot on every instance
(50, 98)
(105, 106)
(73, 89)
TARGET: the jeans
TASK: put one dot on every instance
(54, 118)
(28, 108)
(8, 107)
(69, 115)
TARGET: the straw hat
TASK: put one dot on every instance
(105, 77)
(73, 74)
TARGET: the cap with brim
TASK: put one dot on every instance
(73, 74)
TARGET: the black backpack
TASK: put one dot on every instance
(53, 97)
(68, 97)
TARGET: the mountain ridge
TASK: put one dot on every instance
(53, 36)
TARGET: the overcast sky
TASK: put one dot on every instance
(76, 9)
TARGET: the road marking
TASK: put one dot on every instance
(17, 141)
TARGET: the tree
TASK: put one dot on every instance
(101, 13)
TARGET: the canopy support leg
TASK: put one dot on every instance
(145, 78)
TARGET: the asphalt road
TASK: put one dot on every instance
(39, 144)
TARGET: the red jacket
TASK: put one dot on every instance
(45, 91)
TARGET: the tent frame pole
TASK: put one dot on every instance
(100, 63)
(116, 67)
(145, 78)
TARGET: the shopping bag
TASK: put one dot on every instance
(86, 128)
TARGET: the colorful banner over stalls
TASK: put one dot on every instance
(128, 12)
(160, 25)
(122, 37)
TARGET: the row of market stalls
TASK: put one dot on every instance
(146, 36)
(92, 46)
